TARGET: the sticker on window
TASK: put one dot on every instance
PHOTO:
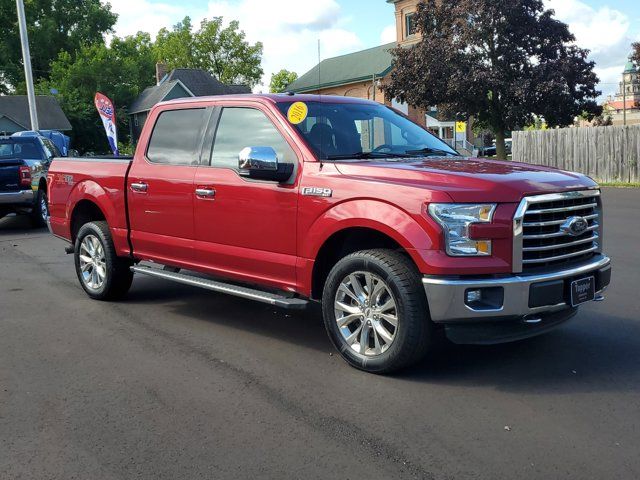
(297, 112)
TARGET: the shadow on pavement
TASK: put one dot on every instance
(592, 352)
(18, 223)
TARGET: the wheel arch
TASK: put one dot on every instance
(361, 224)
(84, 211)
(345, 242)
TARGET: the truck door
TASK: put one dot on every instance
(246, 228)
(160, 187)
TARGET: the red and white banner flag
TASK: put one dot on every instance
(108, 115)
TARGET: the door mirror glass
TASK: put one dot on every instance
(262, 163)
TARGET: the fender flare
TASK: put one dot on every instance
(93, 192)
(374, 214)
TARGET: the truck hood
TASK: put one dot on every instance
(468, 179)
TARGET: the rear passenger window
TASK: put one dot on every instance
(177, 136)
(247, 127)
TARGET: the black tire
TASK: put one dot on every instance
(40, 209)
(118, 276)
(414, 334)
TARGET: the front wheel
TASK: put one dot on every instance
(375, 311)
(102, 274)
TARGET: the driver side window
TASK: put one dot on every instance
(246, 127)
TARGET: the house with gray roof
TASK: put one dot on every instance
(179, 83)
(14, 114)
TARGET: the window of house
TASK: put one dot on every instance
(410, 24)
(246, 127)
(177, 137)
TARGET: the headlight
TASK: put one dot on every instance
(455, 220)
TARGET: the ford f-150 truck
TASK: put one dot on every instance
(287, 199)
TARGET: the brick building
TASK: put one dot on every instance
(360, 74)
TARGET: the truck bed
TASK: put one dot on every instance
(101, 179)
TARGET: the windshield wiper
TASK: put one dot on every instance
(365, 156)
(429, 150)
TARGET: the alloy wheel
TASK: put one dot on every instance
(93, 264)
(366, 313)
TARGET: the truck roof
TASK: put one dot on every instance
(271, 98)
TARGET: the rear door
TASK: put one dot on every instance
(161, 189)
(247, 228)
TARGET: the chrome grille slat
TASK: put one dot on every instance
(593, 227)
(546, 248)
(539, 239)
(555, 222)
(560, 257)
(567, 209)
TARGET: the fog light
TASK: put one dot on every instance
(473, 296)
(483, 299)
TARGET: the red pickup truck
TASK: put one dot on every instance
(287, 199)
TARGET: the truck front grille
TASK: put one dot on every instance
(543, 237)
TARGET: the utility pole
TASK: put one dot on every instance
(26, 59)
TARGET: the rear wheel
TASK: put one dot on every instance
(40, 212)
(375, 311)
(102, 274)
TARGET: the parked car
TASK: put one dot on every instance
(24, 162)
(287, 199)
(59, 139)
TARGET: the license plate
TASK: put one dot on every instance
(583, 290)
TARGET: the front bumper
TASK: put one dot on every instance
(526, 297)
(23, 198)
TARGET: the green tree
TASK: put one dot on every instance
(120, 71)
(54, 26)
(281, 80)
(499, 61)
(636, 52)
(222, 51)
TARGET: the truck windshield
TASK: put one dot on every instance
(341, 131)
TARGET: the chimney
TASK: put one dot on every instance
(161, 71)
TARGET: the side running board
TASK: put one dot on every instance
(220, 287)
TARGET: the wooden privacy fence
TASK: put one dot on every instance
(607, 154)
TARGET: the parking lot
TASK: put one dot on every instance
(176, 382)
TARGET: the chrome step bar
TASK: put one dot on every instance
(220, 287)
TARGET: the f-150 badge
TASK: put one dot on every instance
(317, 192)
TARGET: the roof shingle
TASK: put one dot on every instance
(198, 82)
(50, 115)
(350, 68)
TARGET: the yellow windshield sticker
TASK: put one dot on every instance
(298, 112)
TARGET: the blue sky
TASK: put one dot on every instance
(290, 29)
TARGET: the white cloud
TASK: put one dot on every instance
(143, 15)
(289, 30)
(604, 31)
(389, 34)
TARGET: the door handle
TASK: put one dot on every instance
(205, 192)
(139, 187)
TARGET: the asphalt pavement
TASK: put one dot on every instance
(181, 383)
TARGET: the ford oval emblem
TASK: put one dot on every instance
(575, 226)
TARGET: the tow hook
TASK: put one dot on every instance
(532, 319)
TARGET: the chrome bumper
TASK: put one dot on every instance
(447, 296)
(21, 197)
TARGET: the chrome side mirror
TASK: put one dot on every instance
(262, 163)
(258, 158)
